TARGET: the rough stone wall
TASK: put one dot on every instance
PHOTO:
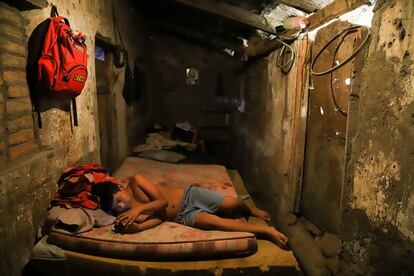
(32, 159)
(378, 200)
(263, 136)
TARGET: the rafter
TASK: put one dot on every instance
(24, 5)
(307, 6)
(324, 15)
(213, 42)
(231, 12)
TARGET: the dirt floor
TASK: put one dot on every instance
(268, 260)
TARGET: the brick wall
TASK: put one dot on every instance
(17, 137)
(26, 178)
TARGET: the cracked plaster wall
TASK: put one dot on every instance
(378, 200)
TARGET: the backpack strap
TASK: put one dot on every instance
(75, 113)
(37, 109)
(54, 11)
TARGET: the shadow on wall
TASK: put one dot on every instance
(381, 251)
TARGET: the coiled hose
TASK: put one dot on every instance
(343, 34)
(285, 66)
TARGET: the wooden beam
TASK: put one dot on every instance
(212, 42)
(230, 12)
(40, 4)
(331, 11)
(307, 6)
(25, 5)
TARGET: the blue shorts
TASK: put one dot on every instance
(195, 201)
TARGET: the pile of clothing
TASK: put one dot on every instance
(76, 183)
(75, 210)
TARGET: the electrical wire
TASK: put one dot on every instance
(285, 66)
(116, 27)
(113, 22)
(121, 55)
(291, 37)
(346, 31)
(337, 107)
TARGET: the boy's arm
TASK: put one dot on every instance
(138, 227)
(139, 195)
(157, 201)
(147, 187)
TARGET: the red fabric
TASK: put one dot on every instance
(75, 185)
(63, 64)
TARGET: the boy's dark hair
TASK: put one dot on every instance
(105, 191)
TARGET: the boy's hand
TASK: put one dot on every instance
(128, 217)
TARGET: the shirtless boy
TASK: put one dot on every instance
(143, 205)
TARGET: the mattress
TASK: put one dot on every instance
(169, 240)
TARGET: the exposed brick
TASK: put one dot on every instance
(18, 91)
(18, 106)
(21, 137)
(12, 47)
(11, 30)
(12, 76)
(22, 149)
(13, 61)
(20, 123)
(10, 15)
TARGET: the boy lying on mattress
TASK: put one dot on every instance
(143, 205)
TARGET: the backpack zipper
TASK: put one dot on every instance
(55, 71)
(65, 76)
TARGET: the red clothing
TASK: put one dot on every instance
(75, 186)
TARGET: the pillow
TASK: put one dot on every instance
(162, 155)
(143, 147)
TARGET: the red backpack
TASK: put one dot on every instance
(62, 67)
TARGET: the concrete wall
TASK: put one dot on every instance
(32, 159)
(174, 100)
(92, 17)
(378, 201)
(263, 137)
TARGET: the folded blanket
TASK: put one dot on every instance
(75, 220)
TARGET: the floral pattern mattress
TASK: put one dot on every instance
(168, 240)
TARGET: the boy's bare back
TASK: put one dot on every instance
(173, 195)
